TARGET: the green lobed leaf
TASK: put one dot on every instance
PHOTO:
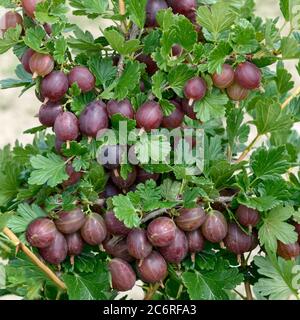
(211, 284)
(216, 19)
(118, 43)
(34, 39)
(103, 70)
(137, 12)
(89, 286)
(125, 211)
(211, 106)
(276, 282)
(275, 228)
(25, 214)
(129, 80)
(50, 170)
(269, 162)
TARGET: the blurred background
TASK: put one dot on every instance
(17, 113)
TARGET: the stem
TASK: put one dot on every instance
(122, 7)
(248, 149)
(122, 10)
(154, 214)
(249, 295)
(151, 291)
(239, 294)
(248, 290)
(290, 98)
(17, 242)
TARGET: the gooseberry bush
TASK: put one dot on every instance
(78, 221)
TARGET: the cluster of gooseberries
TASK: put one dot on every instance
(147, 251)
(144, 251)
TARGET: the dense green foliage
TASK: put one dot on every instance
(33, 177)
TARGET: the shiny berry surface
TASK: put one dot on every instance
(248, 75)
(224, 79)
(149, 116)
(153, 268)
(161, 231)
(122, 275)
(190, 219)
(94, 230)
(93, 118)
(66, 126)
(41, 232)
(215, 227)
(177, 250)
(70, 221)
(54, 86)
(49, 112)
(114, 225)
(57, 252)
(83, 77)
(138, 244)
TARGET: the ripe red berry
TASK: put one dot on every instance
(190, 219)
(288, 251)
(247, 217)
(236, 93)
(153, 268)
(94, 230)
(237, 241)
(152, 7)
(41, 64)
(117, 247)
(123, 183)
(122, 275)
(138, 244)
(66, 126)
(174, 120)
(93, 118)
(114, 225)
(70, 221)
(195, 89)
(248, 75)
(177, 250)
(195, 240)
(74, 176)
(185, 7)
(161, 231)
(224, 79)
(26, 58)
(75, 243)
(54, 86)
(83, 77)
(29, 6)
(123, 107)
(57, 251)
(215, 227)
(41, 232)
(49, 112)
(151, 66)
(149, 116)
(10, 20)
(188, 110)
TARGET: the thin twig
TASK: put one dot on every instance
(159, 212)
(17, 242)
(290, 98)
(249, 295)
(248, 149)
(152, 290)
(154, 214)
